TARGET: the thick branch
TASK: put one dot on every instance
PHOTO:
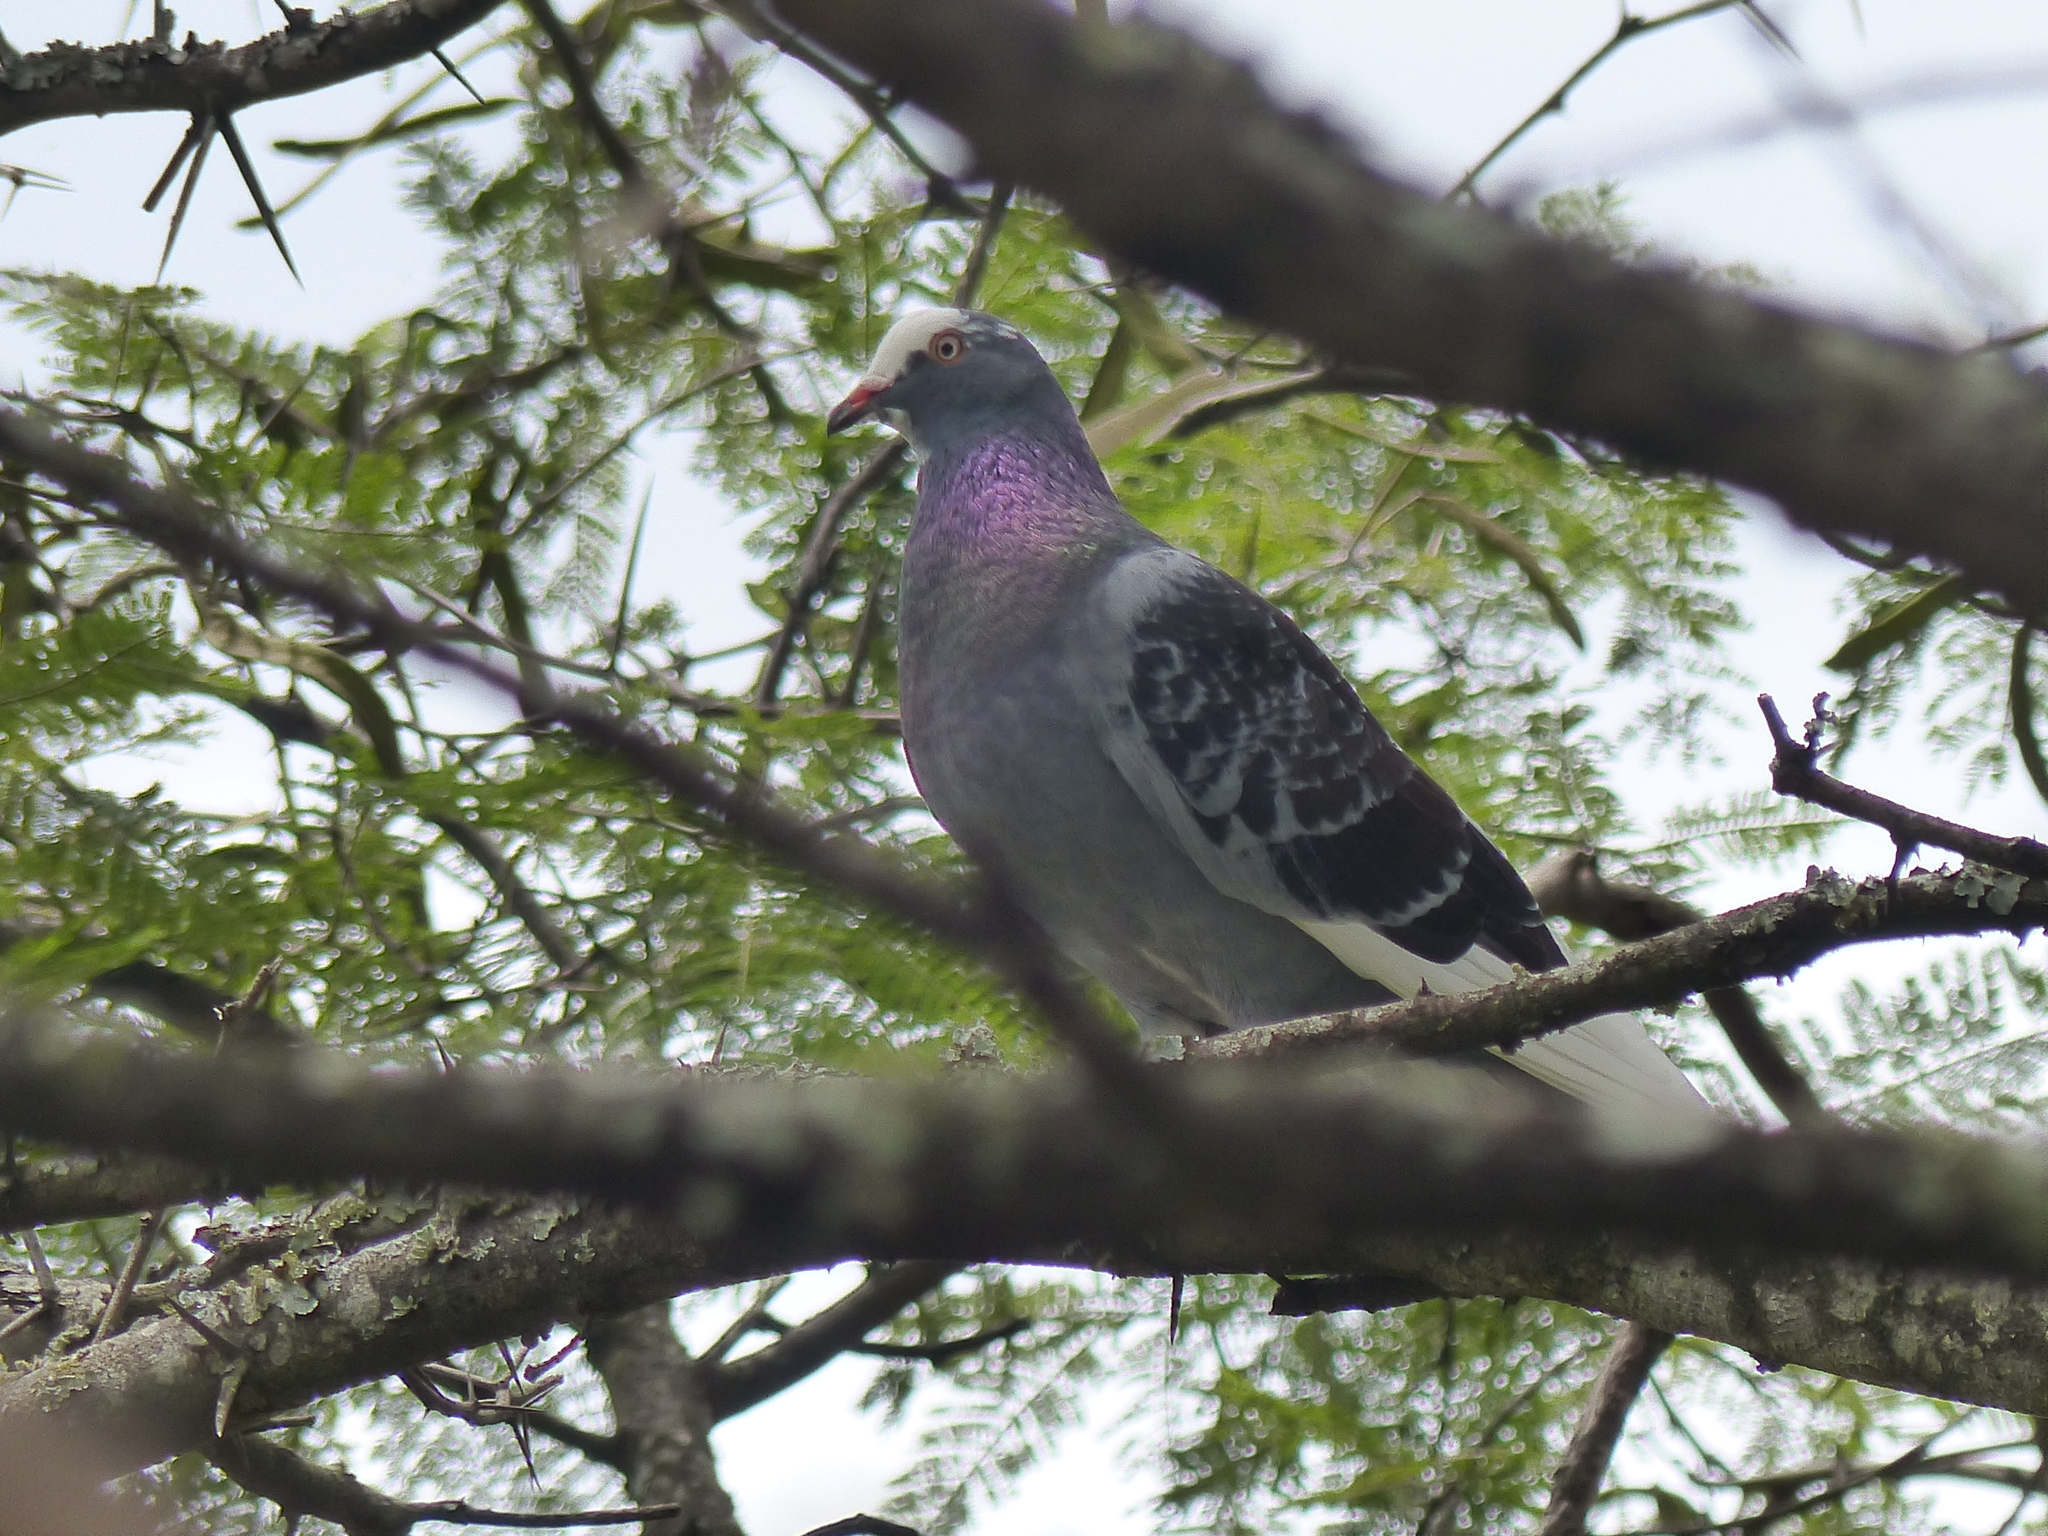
(660, 1399)
(1257, 1161)
(38, 1193)
(68, 80)
(476, 1271)
(493, 1269)
(1180, 163)
(1774, 937)
(1932, 1332)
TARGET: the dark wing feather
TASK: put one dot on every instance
(1301, 794)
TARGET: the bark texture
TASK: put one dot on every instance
(664, 1417)
(161, 75)
(314, 1320)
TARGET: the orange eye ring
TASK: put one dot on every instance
(948, 347)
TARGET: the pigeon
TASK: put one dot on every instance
(1156, 764)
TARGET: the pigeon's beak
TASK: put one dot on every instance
(857, 406)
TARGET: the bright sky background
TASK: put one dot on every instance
(1927, 218)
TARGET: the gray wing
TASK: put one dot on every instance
(1244, 740)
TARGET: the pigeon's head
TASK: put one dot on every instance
(948, 376)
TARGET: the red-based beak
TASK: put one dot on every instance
(858, 406)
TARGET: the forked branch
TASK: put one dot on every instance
(1795, 771)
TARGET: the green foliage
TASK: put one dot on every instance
(435, 877)
(1446, 1413)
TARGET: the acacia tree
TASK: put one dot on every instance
(670, 991)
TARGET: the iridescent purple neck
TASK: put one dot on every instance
(1016, 490)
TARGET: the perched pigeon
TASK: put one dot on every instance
(1156, 763)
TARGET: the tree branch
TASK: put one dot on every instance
(660, 1397)
(1570, 885)
(1634, 1351)
(476, 1271)
(820, 550)
(597, 1445)
(131, 1273)
(738, 1385)
(1181, 164)
(761, 21)
(522, 900)
(481, 1270)
(1933, 1332)
(1254, 1168)
(1626, 30)
(568, 57)
(300, 1487)
(69, 80)
(1795, 771)
(48, 1191)
(939, 1351)
(1773, 937)
(180, 1001)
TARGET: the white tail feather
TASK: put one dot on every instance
(1610, 1061)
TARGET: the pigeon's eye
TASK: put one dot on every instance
(948, 347)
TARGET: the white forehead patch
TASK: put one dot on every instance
(914, 332)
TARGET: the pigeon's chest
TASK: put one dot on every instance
(989, 707)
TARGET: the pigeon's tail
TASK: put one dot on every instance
(1609, 1061)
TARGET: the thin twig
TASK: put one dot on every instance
(736, 1385)
(204, 1329)
(237, 1018)
(1794, 771)
(304, 1487)
(46, 1283)
(2010, 339)
(816, 567)
(185, 147)
(519, 897)
(761, 21)
(568, 57)
(611, 660)
(1626, 31)
(131, 1272)
(15, 1325)
(823, 545)
(976, 269)
(750, 1320)
(941, 1350)
(2020, 697)
(1847, 1480)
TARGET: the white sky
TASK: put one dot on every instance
(1430, 87)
